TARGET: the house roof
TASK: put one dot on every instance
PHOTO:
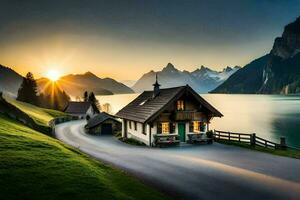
(77, 107)
(145, 108)
(100, 118)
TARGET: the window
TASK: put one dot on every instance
(165, 128)
(172, 127)
(180, 105)
(129, 124)
(144, 129)
(135, 126)
(196, 126)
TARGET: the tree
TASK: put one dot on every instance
(106, 108)
(94, 101)
(28, 90)
(86, 96)
(53, 97)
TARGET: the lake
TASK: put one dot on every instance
(269, 116)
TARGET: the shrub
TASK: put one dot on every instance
(210, 134)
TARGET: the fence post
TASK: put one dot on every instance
(229, 136)
(252, 139)
(283, 143)
(214, 135)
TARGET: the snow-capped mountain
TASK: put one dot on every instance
(202, 79)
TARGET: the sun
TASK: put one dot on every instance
(53, 75)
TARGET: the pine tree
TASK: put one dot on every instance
(85, 96)
(53, 97)
(28, 90)
(94, 101)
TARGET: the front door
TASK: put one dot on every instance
(181, 131)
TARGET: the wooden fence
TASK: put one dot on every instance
(252, 140)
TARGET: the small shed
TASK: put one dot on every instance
(103, 123)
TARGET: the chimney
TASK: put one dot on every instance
(156, 87)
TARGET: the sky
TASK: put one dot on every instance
(125, 39)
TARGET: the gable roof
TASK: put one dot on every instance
(99, 118)
(77, 107)
(145, 108)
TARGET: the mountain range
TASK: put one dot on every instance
(76, 84)
(202, 79)
(73, 85)
(275, 73)
(10, 80)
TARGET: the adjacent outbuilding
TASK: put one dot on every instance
(103, 124)
(82, 110)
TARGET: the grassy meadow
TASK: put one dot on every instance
(40, 115)
(36, 166)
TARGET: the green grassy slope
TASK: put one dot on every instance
(35, 166)
(40, 115)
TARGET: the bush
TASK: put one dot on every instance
(210, 134)
(132, 141)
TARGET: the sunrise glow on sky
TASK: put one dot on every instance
(111, 38)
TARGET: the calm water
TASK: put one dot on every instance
(269, 116)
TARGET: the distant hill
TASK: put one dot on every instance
(128, 83)
(275, 73)
(202, 79)
(10, 80)
(75, 85)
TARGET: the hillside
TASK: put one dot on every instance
(75, 85)
(202, 79)
(10, 80)
(36, 166)
(40, 115)
(275, 73)
(247, 80)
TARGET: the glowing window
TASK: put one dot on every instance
(165, 128)
(180, 105)
(197, 126)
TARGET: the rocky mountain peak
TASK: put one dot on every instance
(227, 69)
(169, 68)
(203, 79)
(88, 73)
(288, 44)
(202, 69)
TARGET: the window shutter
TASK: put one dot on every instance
(172, 128)
(202, 126)
(159, 128)
(191, 126)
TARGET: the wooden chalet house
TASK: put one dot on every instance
(167, 116)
